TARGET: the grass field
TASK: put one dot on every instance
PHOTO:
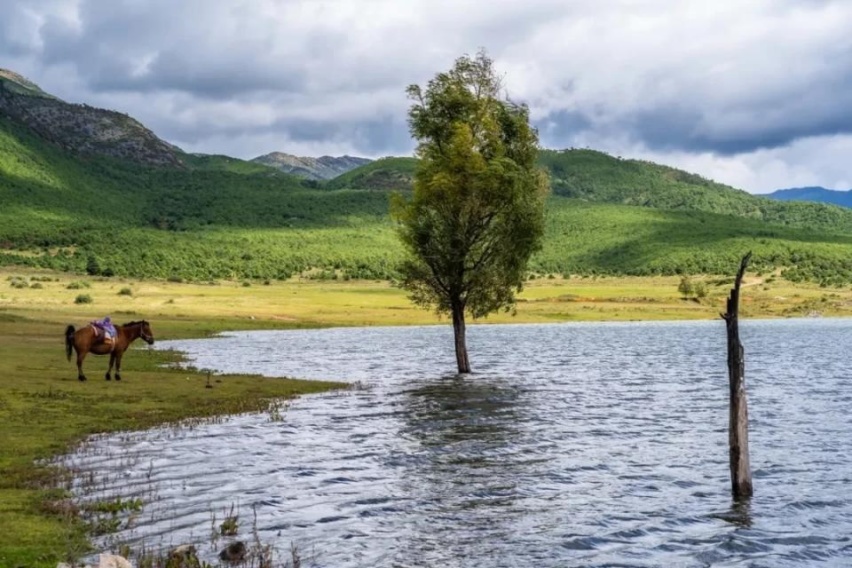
(45, 410)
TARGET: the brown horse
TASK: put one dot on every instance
(85, 340)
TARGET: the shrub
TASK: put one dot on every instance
(36, 285)
(78, 285)
(685, 287)
(125, 292)
(83, 299)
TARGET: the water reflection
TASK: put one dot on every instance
(466, 468)
(739, 514)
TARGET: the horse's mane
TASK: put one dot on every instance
(135, 322)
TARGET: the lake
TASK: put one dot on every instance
(587, 444)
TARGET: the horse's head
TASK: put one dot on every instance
(145, 332)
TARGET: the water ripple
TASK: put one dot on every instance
(571, 445)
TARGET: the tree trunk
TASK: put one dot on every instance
(461, 343)
(738, 419)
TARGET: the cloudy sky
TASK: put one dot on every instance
(753, 93)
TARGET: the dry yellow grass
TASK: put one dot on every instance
(322, 303)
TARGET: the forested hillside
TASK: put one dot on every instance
(385, 174)
(219, 217)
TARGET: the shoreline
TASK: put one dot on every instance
(47, 412)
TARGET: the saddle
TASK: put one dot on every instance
(105, 335)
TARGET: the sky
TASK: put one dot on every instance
(753, 93)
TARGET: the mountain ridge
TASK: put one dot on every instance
(306, 167)
(814, 194)
(80, 128)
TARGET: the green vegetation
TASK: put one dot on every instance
(384, 174)
(477, 213)
(597, 177)
(224, 218)
(220, 163)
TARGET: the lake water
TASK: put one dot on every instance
(593, 444)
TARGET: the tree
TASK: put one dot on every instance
(477, 210)
(685, 287)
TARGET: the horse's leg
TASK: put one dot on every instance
(80, 356)
(118, 356)
(109, 370)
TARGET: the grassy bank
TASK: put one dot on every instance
(45, 410)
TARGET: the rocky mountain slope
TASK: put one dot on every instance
(322, 168)
(82, 129)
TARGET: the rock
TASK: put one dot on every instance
(183, 556)
(113, 561)
(234, 552)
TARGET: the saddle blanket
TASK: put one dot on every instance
(104, 332)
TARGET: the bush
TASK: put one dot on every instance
(78, 285)
(83, 299)
(125, 292)
(36, 285)
(700, 290)
(685, 287)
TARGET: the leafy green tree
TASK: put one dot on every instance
(477, 211)
(93, 267)
(700, 289)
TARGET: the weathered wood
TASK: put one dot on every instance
(741, 485)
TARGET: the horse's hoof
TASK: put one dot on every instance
(117, 377)
(107, 377)
(81, 378)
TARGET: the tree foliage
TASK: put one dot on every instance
(477, 212)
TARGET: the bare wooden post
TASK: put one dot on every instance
(738, 426)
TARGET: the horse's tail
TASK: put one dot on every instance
(69, 341)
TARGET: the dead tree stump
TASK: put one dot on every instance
(738, 425)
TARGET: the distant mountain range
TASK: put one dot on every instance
(322, 168)
(818, 194)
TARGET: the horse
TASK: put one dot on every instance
(85, 340)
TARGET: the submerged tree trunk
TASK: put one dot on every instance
(738, 419)
(461, 343)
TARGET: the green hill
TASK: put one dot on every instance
(597, 177)
(219, 217)
(384, 174)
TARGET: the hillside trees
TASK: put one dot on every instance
(477, 211)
